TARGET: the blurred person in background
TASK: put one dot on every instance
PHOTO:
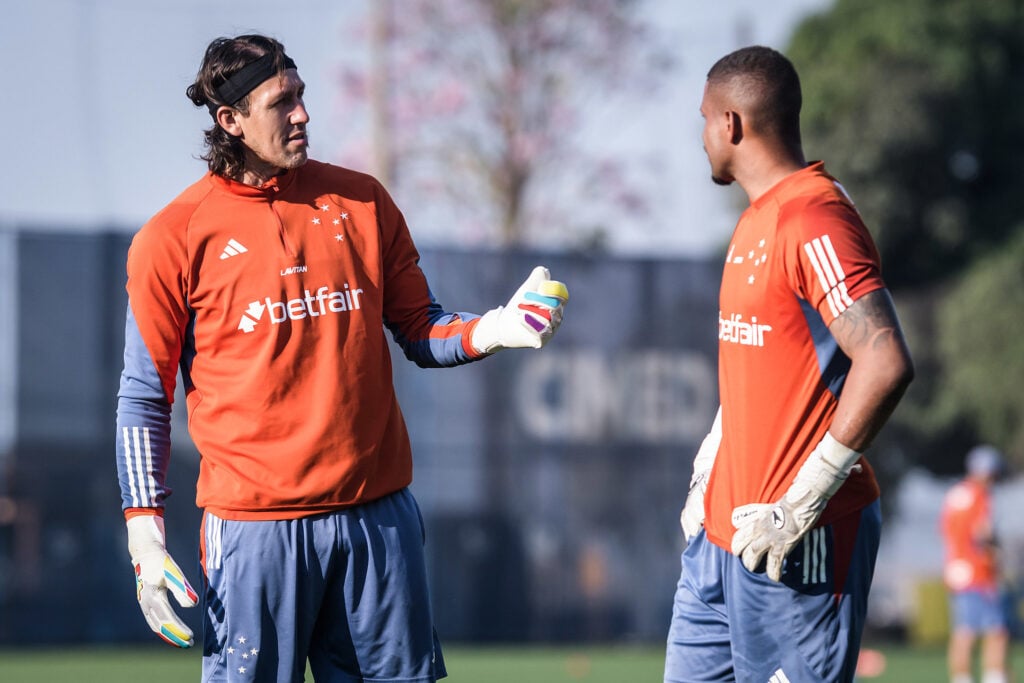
(268, 284)
(971, 572)
(782, 519)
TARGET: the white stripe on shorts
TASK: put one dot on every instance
(214, 538)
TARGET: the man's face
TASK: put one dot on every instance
(274, 130)
(716, 136)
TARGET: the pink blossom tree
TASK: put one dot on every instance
(479, 106)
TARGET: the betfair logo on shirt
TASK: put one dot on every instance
(323, 302)
(737, 331)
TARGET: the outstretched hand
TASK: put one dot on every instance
(530, 318)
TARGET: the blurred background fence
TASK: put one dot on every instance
(550, 481)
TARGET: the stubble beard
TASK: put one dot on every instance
(296, 159)
(299, 157)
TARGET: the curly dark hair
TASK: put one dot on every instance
(225, 153)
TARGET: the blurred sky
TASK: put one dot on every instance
(100, 134)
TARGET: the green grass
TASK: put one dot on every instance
(554, 665)
(590, 664)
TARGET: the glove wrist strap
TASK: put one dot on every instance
(485, 334)
(825, 469)
(145, 534)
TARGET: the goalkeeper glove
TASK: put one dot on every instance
(532, 315)
(692, 516)
(156, 573)
(773, 530)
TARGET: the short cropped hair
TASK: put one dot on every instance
(767, 83)
(225, 153)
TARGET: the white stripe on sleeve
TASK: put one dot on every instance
(130, 467)
(150, 480)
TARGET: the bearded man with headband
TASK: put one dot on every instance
(268, 283)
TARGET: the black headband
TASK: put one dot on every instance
(246, 80)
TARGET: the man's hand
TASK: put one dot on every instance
(692, 516)
(532, 315)
(773, 530)
(156, 573)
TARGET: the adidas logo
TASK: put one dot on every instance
(234, 248)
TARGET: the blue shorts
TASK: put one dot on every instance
(730, 624)
(980, 611)
(346, 589)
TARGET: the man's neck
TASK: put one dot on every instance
(257, 172)
(767, 168)
(258, 177)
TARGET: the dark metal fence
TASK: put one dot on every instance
(550, 481)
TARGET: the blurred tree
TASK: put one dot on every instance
(479, 106)
(915, 106)
(981, 325)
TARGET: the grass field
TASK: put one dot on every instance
(465, 665)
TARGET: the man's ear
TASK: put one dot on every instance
(734, 125)
(227, 118)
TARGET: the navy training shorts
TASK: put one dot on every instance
(346, 589)
(730, 624)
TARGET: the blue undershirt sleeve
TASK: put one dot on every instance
(143, 439)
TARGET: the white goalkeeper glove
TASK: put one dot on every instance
(156, 573)
(773, 530)
(532, 315)
(691, 519)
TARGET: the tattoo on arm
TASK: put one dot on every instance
(870, 320)
(869, 334)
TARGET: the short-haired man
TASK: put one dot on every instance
(269, 283)
(782, 519)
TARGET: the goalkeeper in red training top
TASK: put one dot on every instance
(782, 517)
(269, 283)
